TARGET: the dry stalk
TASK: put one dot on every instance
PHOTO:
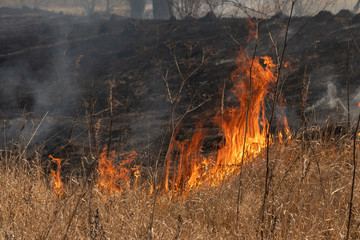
(111, 101)
(305, 137)
(55, 217)
(96, 228)
(239, 197)
(353, 180)
(90, 111)
(303, 99)
(123, 124)
(222, 102)
(74, 213)
(84, 190)
(32, 136)
(179, 227)
(227, 29)
(306, 141)
(18, 139)
(267, 182)
(92, 131)
(348, 84)
(174, 121)
(73, 126)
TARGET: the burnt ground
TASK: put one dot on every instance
(59, 66)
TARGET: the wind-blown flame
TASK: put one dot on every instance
(252, 30)
(191, 169)
(114, 178)
(186, 168)
(58, 185)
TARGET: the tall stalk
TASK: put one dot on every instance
(267, 182)
(348, 83)
(246, 125)
(353, 180)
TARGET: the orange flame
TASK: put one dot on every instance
(58, 185)
(190, 169)
(137, 172)
(187, 168)
(251, 25)
(112, 178)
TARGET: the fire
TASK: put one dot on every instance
(58, 185)
(252, 30)
(137, 173)
(112, 178)
(190, 166)
(190, 169)
(186, 168)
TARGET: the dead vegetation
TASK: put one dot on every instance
(304, 202)
(309, 191)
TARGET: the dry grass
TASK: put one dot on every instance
(304, 202)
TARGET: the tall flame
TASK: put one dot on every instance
(58, 185)
(191, 169)
(187, 168)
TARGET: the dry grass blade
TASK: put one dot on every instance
(32, 136)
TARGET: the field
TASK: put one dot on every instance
(115, 128)
(308, 199)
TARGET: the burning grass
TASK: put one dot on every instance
(308, 181)
(308, 199)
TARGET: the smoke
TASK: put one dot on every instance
(329, 100)
(32, 87)
(333, 103)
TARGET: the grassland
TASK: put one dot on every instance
(310, 183)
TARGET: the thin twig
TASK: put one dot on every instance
(111, 100)
(246, 126)
(73, 126)
(173, 123)
(32, 136)
(267, 182)
(348, 83)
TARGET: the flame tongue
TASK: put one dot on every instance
(114, 178)
(234, 123)
(194, 170)
(186, 168)
(58, 185)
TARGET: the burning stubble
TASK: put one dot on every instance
(187, 169)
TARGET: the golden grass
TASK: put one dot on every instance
(308, 199)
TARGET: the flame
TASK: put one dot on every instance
(359, 104)
(112, 178)
(283, 129)
(58, 185)
(251, 25)
(137, 173)
(187, 169)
